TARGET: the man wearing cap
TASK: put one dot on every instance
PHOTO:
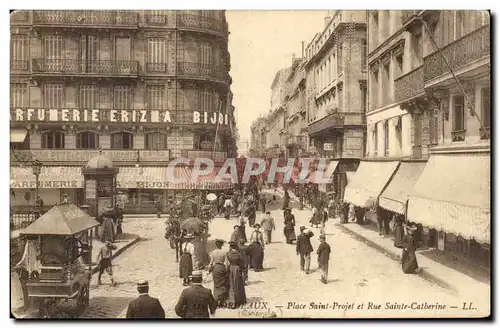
(257, 249)
(104, 260)
(304, 249)
(268, 225)
(145, 306)
(196, 301)
(323, 258)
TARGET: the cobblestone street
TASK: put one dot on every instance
(358, 275)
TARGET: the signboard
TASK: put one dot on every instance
(105, 187)
(90, 189)
(116, 116)
(83, 155)
(328, 146)
(154, 155)
(31, 184)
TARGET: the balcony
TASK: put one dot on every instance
(156, 67)
(410, 85)
(300, 141)
(469, 48)
(86, 18)
(336, 120)
(201, 71)
(19, 17)
(156, 17)
(202, 24)
(125, 68)
(217, 156)
(19, 65)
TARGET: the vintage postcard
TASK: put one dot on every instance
(207, 164)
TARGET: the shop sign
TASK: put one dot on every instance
(154, 155)
(90, 189)
(328, 146)
(210, 118)
(116, 155)
(31, 184)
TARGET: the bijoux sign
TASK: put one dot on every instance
(114, 116)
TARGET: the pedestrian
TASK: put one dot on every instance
(323, 258)
(118, 219)
(196, 301)
(263, 201)
(408, 258)
(186, 261)
(158, 206)
(145, 306)
(39, 201)
(107, 226)
(220, 274)
(332, 208)
(268, 226)
(236, 235)
(399, 231)
(104, 260)
(243, 234)
(289, 229)
(237, 294)
(286, 200)
(245, 254)
(228, 204)
(304, 249)
(257, 249)
(323, 221)
(251, 212)
(220, 204)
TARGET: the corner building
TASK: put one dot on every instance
(144, 86)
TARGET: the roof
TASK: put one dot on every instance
(63, 220)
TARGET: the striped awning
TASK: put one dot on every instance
(370, 179)
(147, 177)
(18, 135)
(395, 195)
(453, 195)
(50, 177)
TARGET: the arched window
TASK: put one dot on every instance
(52, 140)
(204, 141)
(87, 140)
(122, 140)
(155, 140)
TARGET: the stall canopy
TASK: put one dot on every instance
(453, 195)
(395, 195)
(368, 182)
(63, 220)
(50, 177)
(18, 135)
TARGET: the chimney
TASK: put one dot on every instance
(303, 44)
(293, 56)
(327, 20)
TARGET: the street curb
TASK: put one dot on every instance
(119, 251)
(397, 257)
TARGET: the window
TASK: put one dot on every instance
(52, 140)
(123, 46)
(156, 54)
(207, 101)
(155, 140)
(19, 51)
(19, 95)
(88, 97)
(88, 50)
(459, 24)
(204, 141)
(87, 140)
(399, 66)
(434, 126)
(375, 139)
(52, 46)
(205, 55)
(417, 47)
(364, 54)
(340, 95)
(417, 130)
(486, 107)
(458, 113)
(340, 58)
(122, 140)
(386, 138)
(53, 96)
(364, 100)
(122, 97)
(386, 82)
(329, 73)
(156, 94)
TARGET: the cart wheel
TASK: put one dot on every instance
(172, 243)
(83, 297)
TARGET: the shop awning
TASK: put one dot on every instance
(147, 177)
(395, 195)
(368, 182)
(50, 177)
(453, 195)
(18, 135)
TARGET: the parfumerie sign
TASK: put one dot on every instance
(115, 116)
(31, 184)
(78, 155)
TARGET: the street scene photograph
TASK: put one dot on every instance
(250, 164)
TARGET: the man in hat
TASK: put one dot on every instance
(304, 249)
(145, 306)
(104, 260)
(236, 235)
(196, 301)
(268, 225)
(323, 258)
(257, 248)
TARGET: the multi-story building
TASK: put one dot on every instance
(258, 137)
(276, 119)
(145, 86)
(336, 92)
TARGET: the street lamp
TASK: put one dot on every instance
(37, 169)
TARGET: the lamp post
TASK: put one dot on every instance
(37, 169)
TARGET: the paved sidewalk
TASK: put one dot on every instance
(431, 270)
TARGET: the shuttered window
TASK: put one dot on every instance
(53, 96)
(122, 97)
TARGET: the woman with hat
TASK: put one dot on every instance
(219, 271)
(257, 248)
(289, 229)
(408, 259)
(108, 229)
(237, 295)
(186, 261)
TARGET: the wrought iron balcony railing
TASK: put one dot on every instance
(200, 22)
(92, 67)
(410, 85)
(19, 65)
(200, 70)
(471, 47)
(156, 67)
(109, 18)
(156, 17)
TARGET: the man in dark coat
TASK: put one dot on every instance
(196, 301)
(323, 258)
(304, 249)
(145, 306)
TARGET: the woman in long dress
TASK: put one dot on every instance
(220, 274)
(257, 249)
(289, 229)
(186, 260)
(237, 295)
(408, 259)
(399, 232)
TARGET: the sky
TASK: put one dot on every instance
(261, 43)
